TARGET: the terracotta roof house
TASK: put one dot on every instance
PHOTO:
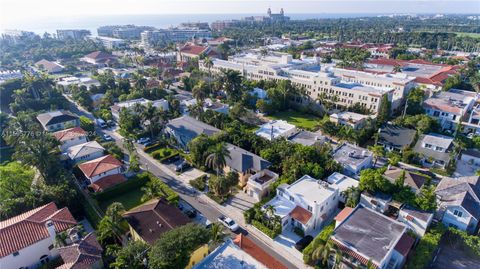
(27, 239)
(85, 254)
(257, 252)
(189, 52)
(395, 138)
(85, 152)
(458, 202)
(98, 58)
(413, 180)
(150, 220)
(71, 137)
(100, 168)
(107, 182)
(48, 66)
(58, 120)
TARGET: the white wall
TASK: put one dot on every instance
(29, 256)
(73, 142)
(108, 173)
(461, 222)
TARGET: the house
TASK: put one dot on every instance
(307, 204)
(71, 137)
(276, 129)
(190, 52)
(308, 138)
(395, 138)
(107, 182)
(86, 253)
(99, 58)
(450, 107)
(85, 152)
(376, 201)
(244, 163)
(130, 104)
(58, 120)
(216, 106)
(458, 201)
(352, 158)
(150, 220)
(102, 169)
(413, 180)
(49, 67)
(434, 150)
(186, 128)
(469, 163)
(343, 215)
(259, 184)
(416, 220)
(472, 124)
(342, 182)
(240, 253)
(352, 119)
(368, 236)
(88, 82)
(27, 240)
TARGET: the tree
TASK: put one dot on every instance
(173, 248)
(384, 110)
(133, 157)
(322, 252)
(372, 180)
(378, 151)
(131, 256)
(427, 199)
(200, 91)
(112, 227)
(352, 196)
(217, 234)
(216, 158)
(232, 83)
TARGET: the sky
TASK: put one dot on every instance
(12, 11)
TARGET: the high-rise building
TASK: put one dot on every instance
(75, 34)
(123, 31)
(163, 36)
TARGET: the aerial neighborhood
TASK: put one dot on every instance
(261, 142)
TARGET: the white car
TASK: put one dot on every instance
(107, 137)
(229, 223)
(143, 140)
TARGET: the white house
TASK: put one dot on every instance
(342, 182)
(458, 201)
(259, 184)
(27, 240)
(130, 104)
(100, 168)
(377, 201)
(352, 119)
(352, 158)
(416, 220)
(71, 137)
(307, 204)
(275, 129)
(58, 120)
(434, 150)
(85, 152)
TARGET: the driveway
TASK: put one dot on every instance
(287, 240)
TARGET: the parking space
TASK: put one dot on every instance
(287, 240)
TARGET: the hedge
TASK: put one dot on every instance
(199, 183)
(138, 181)
(170, 195)
(323, 236)
(424, 251)
(271, 233)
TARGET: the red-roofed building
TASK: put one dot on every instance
(71, 137)
(26, 240)
(84, 254)
(190, 52)
(257, 252)
(99, 58)
(99, 168)
(343, 215)
(107, 182)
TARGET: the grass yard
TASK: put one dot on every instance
(129, 199)
(299, 119)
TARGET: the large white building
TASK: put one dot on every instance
(344, 88)
(164, 36)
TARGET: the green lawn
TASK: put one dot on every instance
(129, 199)
(299, 119)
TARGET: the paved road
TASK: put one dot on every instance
(187, 193)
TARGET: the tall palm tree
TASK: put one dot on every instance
(232, 82)
(140, 82)
(208, 63)
(217, 234)
(200, 91)
(217, 157)
(352, 196)
(378, 151)
(322, 252)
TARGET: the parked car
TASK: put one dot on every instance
(107, 137)
(303, 243)
(143, 140)
(182, 166)
(101, 123)
(229, 223)
(110, 123)
(191, 213)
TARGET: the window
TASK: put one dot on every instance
(50, 247)
(15, 253)
(292, 199)
(457, 213)
(428, 146)
(309, 208)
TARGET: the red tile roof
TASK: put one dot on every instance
(257, 253)
(301, 214)
(99, 165)
(404, 244)
(30, 227)
(107, 182)
(193, 49)
(99, 55)
(81, 255)
(68, 134)
(344, 214)
(353, 254)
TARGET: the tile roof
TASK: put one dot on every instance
(84, 149)
(301, 214)
(257, 252)
(462, 191)
(151, 219)
(99, 165)
(193, 49)
(107, 182)
(343, 214)
(99, 55)
(188, 128)
(30, 227)
(471, 152)
(68, 134)
(81, 255)
(49, 66)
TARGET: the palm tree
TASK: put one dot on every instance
(397, 68)
(110, 227)
(264, 52)
(352, 196)
(378, 151)
(200, 91)
(322, 252)
(208, 63)
(140, 82)
(217, 232)
(217, 157)
(232, 82)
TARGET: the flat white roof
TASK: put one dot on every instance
(311, 190)
(229, 256)
(283, 207)
(341, 181)
(349, 116)
(277, 127)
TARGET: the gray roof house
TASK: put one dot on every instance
(393, 137)
(352, 158)
(58, 120)
(434, 149)
(244, 163)
(186, 128)
(308, 138)
(458, 200)
(413, 180)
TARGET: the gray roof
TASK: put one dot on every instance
(307, 138)
(189, 128)
(472, 152)
(396, 136)
(417, 213)
(54, 117)
(350, 154)
(412, 180)
(437, 155)
(462, 191)
(369, 233)
(242, 160)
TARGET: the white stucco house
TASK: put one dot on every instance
(97, 169)
(260, 183)
(353, 158)
(58, 120)
(71, 137)
(85, 152)
(276, 129)
(416, 220)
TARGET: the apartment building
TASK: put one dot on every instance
(162, 36)
(307, 74)
(123, 31)
(110, 43)
(74, 34)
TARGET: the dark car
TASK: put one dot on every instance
(303, 243)
(191, 213)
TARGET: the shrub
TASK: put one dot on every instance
(199, 183)
(264, 229)
(323, 236)
(425, 249)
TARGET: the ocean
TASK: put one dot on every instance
(91, 23)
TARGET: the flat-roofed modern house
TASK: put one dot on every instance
(276, 129)
(367, 236)
(413, 180)
(352, 158)
(376, 201)
(186, 128)
(395, 138)
(130, 104)
(308, 138)
(27, 240)
(352, 119)
(434, 150)
(458, 201)
(49, 67)
(416, 220)
(150, 220)
(259, 184)
(58, 120)
(71, 137)
(85, 152)
(342, 182)
(101, 169)
(450, 107)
